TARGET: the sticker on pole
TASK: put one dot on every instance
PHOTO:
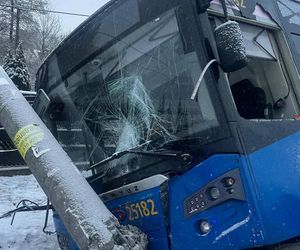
(28, 137)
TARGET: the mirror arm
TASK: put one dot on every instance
(223, 2)
(198, 85)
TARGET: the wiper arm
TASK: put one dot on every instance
(133, 150)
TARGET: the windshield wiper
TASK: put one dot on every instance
(133, 150)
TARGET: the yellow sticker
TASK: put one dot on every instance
(28, 137)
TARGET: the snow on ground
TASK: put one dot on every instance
(26, 233)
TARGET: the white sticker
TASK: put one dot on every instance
(37, 153)
(3, 81)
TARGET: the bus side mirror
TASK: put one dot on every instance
(231, 47)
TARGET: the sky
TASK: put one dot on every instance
(77, 6)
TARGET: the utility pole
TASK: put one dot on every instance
(17, 40)
(12, 19)
(83, 213)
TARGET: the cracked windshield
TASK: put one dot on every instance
(133, 87)
(149, 124)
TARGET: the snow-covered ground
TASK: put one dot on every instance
(26, 233)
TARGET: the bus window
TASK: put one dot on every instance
(262, 90)
(133, 89)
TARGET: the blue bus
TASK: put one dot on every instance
(220, 170)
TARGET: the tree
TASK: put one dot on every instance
(28, 22)
(8, 61)
(48, 34)
(16, 17)
(16, 68)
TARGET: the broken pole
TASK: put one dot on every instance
(85, 216)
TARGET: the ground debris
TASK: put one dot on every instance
(130, 238)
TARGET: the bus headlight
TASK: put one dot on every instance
(204, 226)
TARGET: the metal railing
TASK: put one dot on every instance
(9, 155)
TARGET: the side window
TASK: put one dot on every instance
(262, 90)
(250, 100)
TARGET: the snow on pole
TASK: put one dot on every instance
(85, 216)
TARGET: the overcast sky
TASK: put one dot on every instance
(77, 6)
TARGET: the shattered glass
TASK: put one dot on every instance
(136, 90)
(126, 113)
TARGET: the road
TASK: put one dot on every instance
(26, 231)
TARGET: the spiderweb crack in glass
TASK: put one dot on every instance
(134, 90)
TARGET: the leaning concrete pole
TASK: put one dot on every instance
(85, 216)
